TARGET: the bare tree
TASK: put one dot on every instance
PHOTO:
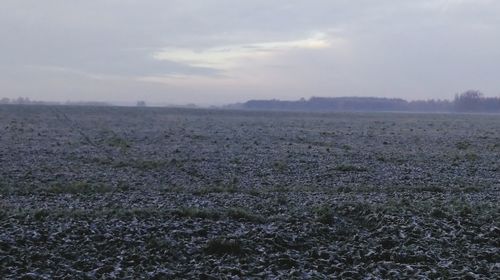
(469, 101)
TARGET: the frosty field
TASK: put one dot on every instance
(110, 192)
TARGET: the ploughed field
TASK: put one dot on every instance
(173, 193)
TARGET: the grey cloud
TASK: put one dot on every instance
(399, 47)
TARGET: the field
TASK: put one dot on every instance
(91, 192)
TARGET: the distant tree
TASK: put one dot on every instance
(5, 100)
(469, 101)
(22, 100)
(141, 103)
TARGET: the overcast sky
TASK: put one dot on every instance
(213, 52)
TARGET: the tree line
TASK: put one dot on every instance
(469, 101)
(27, 101)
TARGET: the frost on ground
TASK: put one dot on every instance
(172, 193)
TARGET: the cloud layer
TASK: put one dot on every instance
(219, 51)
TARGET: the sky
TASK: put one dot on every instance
(214, 52)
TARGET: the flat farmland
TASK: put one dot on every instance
(112, 192)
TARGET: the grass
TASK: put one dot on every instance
(235, 213)
(471, 189)
(118, 142)
(254, 192)
(404, 189)
(280, 166)
(223, 246)
(3, 213)
(463, 145)
(41, 214)
(438, 212)
(241, 214)
(201, 213)
(324, 214)
(148, 164)
(78, 188)
(432, 189)
(350, 168)
(345, 189)
(347, 147)
(229, 188)
(90, 214)
(471, 157)
(360, 213)
(5, 189)
(141, 164)
(282, 199)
